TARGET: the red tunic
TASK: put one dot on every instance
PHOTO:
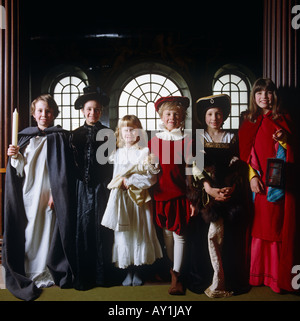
(279, 221)
(172, 206)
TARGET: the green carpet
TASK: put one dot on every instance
(152, 293)
(149, 301)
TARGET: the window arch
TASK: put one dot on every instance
(137, 88)
(139, 95)
(234, 80)
(238, 89)
(65, 91)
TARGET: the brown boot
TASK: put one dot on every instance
(176, 287)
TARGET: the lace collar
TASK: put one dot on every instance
(175, 134)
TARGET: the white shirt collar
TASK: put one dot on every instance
(175, 134)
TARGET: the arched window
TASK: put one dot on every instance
(65, 92)
(136, 89)
(237, 87)
(139, 95)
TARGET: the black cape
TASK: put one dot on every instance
(61, 254)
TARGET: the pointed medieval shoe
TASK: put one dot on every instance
(176, 287)
(218, 293)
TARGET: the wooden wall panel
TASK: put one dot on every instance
(9, 84)
(280, 52)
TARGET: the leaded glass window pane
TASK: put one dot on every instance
(66, 91)
(236, 87)
(139, 95)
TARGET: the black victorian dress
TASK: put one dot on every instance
(93, 241)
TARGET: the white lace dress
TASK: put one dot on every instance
(137, 243)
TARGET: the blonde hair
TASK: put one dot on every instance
(49, 101)
(260, 85)
(130, 121)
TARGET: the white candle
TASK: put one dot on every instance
(15, 128)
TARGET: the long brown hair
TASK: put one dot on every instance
(260, 85)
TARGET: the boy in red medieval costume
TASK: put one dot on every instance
(171, 146)
(39, 215)
(265, 133)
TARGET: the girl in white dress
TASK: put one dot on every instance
(129, 208)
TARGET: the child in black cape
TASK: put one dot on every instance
(39, 217)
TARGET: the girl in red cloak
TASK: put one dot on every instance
(263, 133)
